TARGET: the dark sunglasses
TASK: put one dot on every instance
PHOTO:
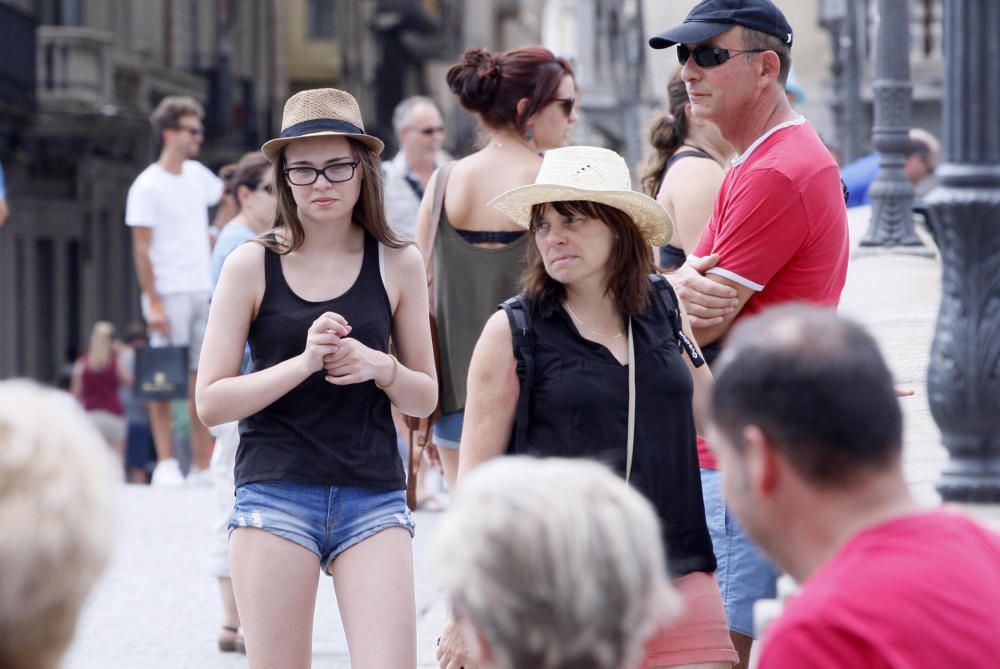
(432, 130)
(567, 105)
(709, 56)
(197, 132)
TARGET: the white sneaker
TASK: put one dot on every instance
(167, 473)
(200, 478)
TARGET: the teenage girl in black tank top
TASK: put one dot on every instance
(320, 485)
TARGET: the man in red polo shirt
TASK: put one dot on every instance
(809, 434)
(779, 226)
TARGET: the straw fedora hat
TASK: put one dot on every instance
(321, 112)
(592, 174)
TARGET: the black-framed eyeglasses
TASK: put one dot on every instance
(431, 130)
(567, 105)
(709, 56)
(335, 174)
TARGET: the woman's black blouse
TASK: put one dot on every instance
(579, 408)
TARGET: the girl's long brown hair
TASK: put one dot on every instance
(369, 210)
(631, 260)
(667, 135)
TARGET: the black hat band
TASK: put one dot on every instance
(320, 125)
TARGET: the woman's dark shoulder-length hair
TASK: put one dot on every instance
(287, 233)
(630, 263)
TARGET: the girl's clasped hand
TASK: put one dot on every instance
(329, 347)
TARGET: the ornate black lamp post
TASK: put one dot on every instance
(892, 193)
(963, 381)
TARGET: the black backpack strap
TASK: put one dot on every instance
(518, 310)
(668, 300)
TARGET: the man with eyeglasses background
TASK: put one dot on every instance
(167, 211)
(420, 131)
(778, 231)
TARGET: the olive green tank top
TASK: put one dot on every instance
(469, 283)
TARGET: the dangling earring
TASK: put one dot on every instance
(529, 134)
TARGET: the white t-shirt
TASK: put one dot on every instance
(175, 206)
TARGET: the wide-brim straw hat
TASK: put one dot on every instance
(592, 174)
(321, 112)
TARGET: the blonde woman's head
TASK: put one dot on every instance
(553, 564)
(57, 491)
(102, 338)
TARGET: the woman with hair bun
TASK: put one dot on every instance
(525, 100)
(685, 171)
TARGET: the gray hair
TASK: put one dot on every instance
(57, 493)
(401, 114)
(557, 563)
(754, 40)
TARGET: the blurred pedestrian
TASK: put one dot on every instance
(251, 182)
(140, 453)
(97, 380)
(167, 211)
(420, 131)
(809, 435)
(921, 161)
(4, 210)
(686, 169)
(226, 209)
(57, 505)
(319, 483)
(556, 373)
(778, 229)
(548, 564)
(526, 102)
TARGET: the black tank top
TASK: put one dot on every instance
(579, 408)
(318, 432)
(671, 255)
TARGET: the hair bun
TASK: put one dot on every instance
(476, 79)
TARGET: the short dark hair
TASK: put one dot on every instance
(631, 260)
(819, 389)
(171, 110)
(754, 40)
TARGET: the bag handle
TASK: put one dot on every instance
(631, 404)
(427, 245)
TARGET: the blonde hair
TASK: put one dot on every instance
(57, 490)
(556, 563)
(102, 337)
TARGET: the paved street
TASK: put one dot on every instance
(158, 607)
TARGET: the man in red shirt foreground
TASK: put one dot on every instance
(808, 432)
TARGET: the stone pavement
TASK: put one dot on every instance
(157, 606)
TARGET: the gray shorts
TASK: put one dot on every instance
(187, 314)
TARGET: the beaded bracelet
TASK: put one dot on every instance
(395, 373)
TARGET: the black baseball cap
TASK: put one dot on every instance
(714, 17)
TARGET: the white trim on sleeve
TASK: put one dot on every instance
(736, 278)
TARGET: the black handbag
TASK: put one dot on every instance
(161, 373)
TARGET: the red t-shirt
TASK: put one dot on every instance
(918, 591)
(780, 225)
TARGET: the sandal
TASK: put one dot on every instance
(231, 640)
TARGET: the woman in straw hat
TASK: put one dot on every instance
(600, 364)
(524, 99)
(319, 483)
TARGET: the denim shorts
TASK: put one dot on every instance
(448, 429)
(744, 574)
(326, 520)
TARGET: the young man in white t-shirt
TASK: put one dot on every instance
(167, 211)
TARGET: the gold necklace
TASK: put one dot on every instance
(590, 329)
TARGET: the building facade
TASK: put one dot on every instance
(73, 139)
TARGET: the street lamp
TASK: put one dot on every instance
(891, 193)
(963, 382)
